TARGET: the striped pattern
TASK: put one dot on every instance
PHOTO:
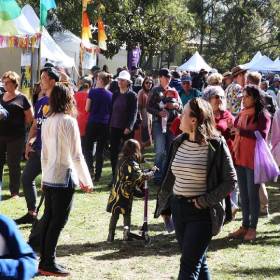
(190, 169)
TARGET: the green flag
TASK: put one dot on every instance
(45, 5)
(9, 9)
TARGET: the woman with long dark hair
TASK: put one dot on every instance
(199, 175)
(253, 117)
(63, 168)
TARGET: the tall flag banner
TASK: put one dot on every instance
(101, 35)
(85, 3)
(45, 6)
(86, 32)
(9, 10)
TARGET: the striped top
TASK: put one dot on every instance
(190, 169)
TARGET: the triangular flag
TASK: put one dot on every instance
(101, 35)
(86, 32)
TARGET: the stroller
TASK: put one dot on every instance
(143, 233)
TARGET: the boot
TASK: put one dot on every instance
(126, 232)
(238, 234)
(250, 235)
(111, 236)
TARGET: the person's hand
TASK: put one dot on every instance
(234, 131)
(127, 131)
(196, 204)
(162, 114)
(87, 189)
(28, 150)
(155, 168)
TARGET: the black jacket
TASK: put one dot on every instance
(132, 107)
(221, 180)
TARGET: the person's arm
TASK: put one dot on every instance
(263, 127)
(28, 116)
(88, 105)
(21, 262)
(228, 180)
(72, 134)
(31, 138)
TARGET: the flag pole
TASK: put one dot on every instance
(40, 44)
(81, 51)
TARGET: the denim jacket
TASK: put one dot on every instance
(221, 180)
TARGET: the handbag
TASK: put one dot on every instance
(265, 167)
(34, 239)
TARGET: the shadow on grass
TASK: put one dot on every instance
(162, 245)
(266, 272)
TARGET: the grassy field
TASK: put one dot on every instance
(83, 248)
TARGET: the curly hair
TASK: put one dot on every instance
(131, 148)
(206, 127)
(62, 100)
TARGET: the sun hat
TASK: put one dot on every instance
(124, 75)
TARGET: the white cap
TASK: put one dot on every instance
(124, 75)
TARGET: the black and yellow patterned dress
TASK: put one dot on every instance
(129, 175)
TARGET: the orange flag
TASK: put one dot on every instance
(101, 35)
(86, 32)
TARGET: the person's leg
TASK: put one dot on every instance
(31, 170)
(61, 202)
(115, 141)
(160, 152)
(89, 146)
(112, 226)
(101, 139)
(263, 200)
(244, 195)
(3, 149)
(14, 156)
(204, 271)
(254, 199)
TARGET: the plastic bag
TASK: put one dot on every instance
(265, 167)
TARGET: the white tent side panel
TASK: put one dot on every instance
(10, 60)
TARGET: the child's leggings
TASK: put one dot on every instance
(115, 218)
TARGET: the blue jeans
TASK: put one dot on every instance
(249, 195)
(194, 232)
(162, 143)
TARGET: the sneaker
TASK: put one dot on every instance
(26, 219)
(168, 222)
(238, 234)
(53, 270)
(250, 235)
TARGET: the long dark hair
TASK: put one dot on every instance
(62, 100)
(206, 127)
(147, 78)
(131, 149)
(255, 92)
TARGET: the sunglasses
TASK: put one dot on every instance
(148, 83)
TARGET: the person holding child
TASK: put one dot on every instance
(129, 177)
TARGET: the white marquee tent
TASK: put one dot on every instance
(194, 64)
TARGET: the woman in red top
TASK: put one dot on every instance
(81, 99)
(253, 117)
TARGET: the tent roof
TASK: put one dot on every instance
(194, 64)
(256, 57)
(263, 64)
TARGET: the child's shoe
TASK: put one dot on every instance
(126, 232)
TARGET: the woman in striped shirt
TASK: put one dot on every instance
(199, 176)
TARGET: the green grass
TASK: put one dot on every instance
(83, 249)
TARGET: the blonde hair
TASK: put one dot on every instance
(104, 77)
(253, 78)
(215, 79)
(13, 76)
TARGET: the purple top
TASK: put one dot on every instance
(41, 109)
(120, 112)
(101, 105)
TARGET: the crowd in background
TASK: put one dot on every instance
(158, 108)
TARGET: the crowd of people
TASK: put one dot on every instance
(202, 126)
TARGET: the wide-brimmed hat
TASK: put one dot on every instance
(124, 75)
(227, 74)
(237, 70)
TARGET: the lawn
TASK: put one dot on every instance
(83, 248)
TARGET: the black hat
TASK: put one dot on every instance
(52, 73)
(164, 72)
(48, 64)
(95, 68)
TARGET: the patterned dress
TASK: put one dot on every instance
(234, 97)
(129, 176)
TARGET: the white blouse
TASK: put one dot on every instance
(62, 158)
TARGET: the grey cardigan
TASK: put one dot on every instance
(221, 180)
